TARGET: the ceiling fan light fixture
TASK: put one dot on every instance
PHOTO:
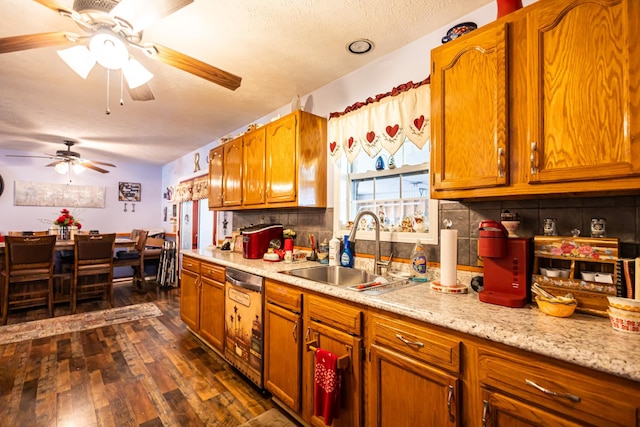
(135, 73)
(77, 168)
(62, 168)
(79, 59)
(108, 49)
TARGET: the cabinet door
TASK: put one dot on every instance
(281, 160)
(282, 354)
(405, 392)
(502, 411)
(469, 147)
(215, 177)
(212, 312)
(253, 167)
(351, 395)
(583, 90)
(190, 299)
(232, 182)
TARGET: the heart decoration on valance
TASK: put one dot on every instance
(382, 123)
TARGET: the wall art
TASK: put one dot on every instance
(129, 191)
(31, 193)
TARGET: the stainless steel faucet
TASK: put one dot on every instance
(377, 264)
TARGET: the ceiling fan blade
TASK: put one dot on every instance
(90, 165)
(196, 67)
(37, 157)
(33, 41)
(141, 93)
(55, 163)
(83, 162)
(55, 6)
(142, 13)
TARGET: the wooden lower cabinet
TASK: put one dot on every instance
(283, 344)
(190, 293)
(406, 392)
(202, 300)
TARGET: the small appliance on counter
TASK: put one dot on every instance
(507, 266)
(256, 239)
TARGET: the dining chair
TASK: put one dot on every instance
(93, 267)
(134, 258)
(27, 279)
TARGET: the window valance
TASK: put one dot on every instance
(193, 189)
(382, 123)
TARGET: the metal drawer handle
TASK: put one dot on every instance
(485, 413)
(569, 396)
(500, 165)
(449, 399)
(407, 342)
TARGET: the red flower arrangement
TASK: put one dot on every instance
(67, 220)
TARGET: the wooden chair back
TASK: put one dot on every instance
(93, 267)
(28, 273)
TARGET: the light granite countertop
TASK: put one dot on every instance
(584, 340)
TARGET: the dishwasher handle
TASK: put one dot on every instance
(243, 284)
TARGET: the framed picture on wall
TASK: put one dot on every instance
(129, 191)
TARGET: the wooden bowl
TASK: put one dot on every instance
(556, 308)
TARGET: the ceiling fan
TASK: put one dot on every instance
(65, 160)
(110, 28)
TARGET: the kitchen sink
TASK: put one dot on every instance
(333, 275)
(351, 278)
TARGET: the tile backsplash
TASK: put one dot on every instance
(622, 214)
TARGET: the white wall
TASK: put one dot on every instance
(410, 63)
(112, 218)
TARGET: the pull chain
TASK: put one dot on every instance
(108, 111)
(121, 88)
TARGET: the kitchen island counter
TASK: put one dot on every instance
(584, 340)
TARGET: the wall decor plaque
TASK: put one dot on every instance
(129, 191)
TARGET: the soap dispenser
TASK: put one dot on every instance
(419, 263)
(334, 251)
(346, 259)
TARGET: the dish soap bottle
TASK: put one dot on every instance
(346, 259)
(334, 251)
(419, 263)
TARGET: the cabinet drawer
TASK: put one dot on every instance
(417, 342)
(336, 314)
(191, 264)
(283, 296)
(588, 398)
(213, 272)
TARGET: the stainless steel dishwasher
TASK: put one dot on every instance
(243, 323)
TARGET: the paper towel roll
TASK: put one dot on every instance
(448, 257)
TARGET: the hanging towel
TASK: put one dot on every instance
(326, 393)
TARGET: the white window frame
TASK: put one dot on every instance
(342, 200)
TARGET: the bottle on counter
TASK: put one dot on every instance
(419, 263)
(346, 259)
(334, 251)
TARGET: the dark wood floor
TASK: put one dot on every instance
(151, 372)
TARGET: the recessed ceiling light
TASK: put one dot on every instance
(360, 46)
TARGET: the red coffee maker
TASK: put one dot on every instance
(506, 266)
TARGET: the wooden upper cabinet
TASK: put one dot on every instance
(469, 147)
(232, 175)
(583, 85)
(254, 167)
(281, 160)
(216, 165)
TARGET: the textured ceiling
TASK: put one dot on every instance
(280, 48)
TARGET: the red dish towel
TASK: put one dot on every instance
(326, 390)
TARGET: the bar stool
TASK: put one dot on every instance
(134, 258)
(27, 280)
(93, 267)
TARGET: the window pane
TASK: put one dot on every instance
(363, 190)
(415, 185)
(387, 188)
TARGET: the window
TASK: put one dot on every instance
(399, 195)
